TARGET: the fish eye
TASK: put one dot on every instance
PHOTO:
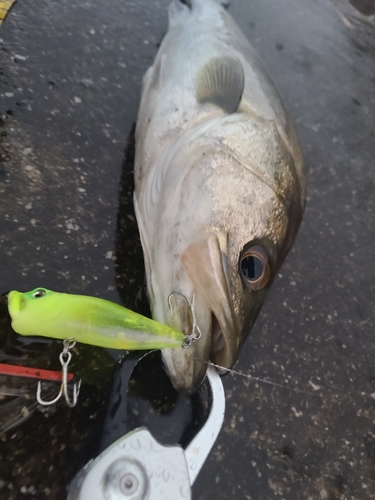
(39, 292)
(254, 267)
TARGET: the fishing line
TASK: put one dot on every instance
(333, 397)
(336, 399)
(261, 380)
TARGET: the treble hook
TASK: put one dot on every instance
(195, 330)
(65, 358)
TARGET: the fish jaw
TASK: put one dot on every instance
(203, 264)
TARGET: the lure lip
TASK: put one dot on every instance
(16, 303)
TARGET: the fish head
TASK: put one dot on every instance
(32, 312)
(230, 217)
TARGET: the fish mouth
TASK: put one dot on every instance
(16, 303)
(204, 264)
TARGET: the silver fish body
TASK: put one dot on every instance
(219, 186)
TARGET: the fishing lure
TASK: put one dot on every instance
(89, 320)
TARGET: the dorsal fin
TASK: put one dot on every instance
(221, 81)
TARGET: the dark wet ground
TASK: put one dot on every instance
(70, 75)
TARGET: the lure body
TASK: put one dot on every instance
(89, 320)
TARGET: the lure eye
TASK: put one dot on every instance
(254, 267)
(39, 292)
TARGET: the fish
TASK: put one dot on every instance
(220, 186)
(89, 320)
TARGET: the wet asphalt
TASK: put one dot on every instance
(70, 78)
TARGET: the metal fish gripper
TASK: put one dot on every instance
(138, 467)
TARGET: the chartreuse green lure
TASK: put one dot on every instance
(89, 320)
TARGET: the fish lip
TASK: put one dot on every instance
(186, 367)
(191, 381)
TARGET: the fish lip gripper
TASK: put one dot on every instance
(138, 466)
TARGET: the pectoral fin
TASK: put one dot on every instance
(221, 82)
